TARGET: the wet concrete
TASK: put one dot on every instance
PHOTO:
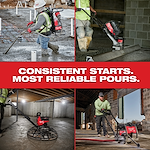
(13, 25)
(139, 55)
(90, 145)
(15, 135)
(101, 44)
(20, 52)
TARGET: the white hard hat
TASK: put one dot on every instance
(39, 3)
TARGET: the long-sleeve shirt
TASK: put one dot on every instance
(41, 21)
(99, 105)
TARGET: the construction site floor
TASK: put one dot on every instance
(109, 144)
(101, 44)
(15, 135)
(13, 25)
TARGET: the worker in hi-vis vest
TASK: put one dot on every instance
(3, 97)
(83, 29)
(43, 27)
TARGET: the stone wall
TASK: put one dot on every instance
(146, 104)
(137, 23)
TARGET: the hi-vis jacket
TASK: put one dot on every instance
(84, 4)
(3, 95)
(47, 27)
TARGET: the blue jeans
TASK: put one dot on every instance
(43, 41)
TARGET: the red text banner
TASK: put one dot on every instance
(75, 75)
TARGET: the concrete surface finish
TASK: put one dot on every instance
(15, 135)
(101, 49)
(22, 52)
(13, 25)
(116, 54)
(110, 145)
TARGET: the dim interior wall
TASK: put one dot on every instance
(63, 110)
(70, 111)
(7, 109)
(146, 104)
(46, 109)
(116, 5)
(89, 116)
(137, 23)
(78, 119)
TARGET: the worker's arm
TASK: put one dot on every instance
(41, 21)
(97, 105)
(92, 10)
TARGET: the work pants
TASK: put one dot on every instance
(100, 122)
(1, 115)
(83, 29)
(43, 41)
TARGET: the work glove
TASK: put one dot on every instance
(30, 23)
(75, 9)
(102, 110)
(29, 30)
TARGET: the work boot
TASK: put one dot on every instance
(82, 44)
(107, 136)
(89, 59)
(89, 39)
(53, 47)
(45, 52)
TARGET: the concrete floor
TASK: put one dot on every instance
(13, 25)
(15, 135)
(90, 145)
(101, 44)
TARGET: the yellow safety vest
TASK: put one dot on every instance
(48, 26)
(3, 95)
(84, 4)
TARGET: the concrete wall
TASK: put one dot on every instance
(7, 111)
(46, 109)
(146, 103)
(117, 5)
(61, 110)
(137, 23)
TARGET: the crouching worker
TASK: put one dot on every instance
(43, 27)
(3, 96)
(101, 104)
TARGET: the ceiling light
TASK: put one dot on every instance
(63, 102)
(23, 101)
